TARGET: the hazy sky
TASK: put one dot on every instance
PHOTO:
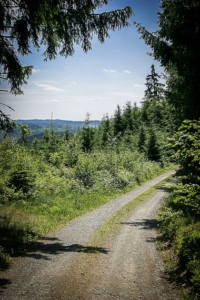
(111, 73)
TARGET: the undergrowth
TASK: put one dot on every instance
(38, 197)
(179, 217)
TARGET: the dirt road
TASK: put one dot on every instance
(66, 267)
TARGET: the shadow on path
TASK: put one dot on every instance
(42, 251)
(58, 248)
(4, 282)
(147, 224)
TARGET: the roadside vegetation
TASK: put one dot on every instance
(179, 217)
(46, 182)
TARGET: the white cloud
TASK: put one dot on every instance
(47, 87)
(138, 85)
(35, 70)
(109, 71)
(73, 83)
(127, 72)
(50, 81)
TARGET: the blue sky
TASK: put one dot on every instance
(111, 73)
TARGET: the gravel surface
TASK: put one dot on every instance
(133, 268)
(48, 273)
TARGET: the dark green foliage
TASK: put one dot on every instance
(156, 110)
(71, 152)
(137, 117)
(153, 151)
(176, 45)
(186, 147)
(127, 117)
(21, 180)
(14, 239)
(154, 90)
(159, 114)
(7, 126)
(50, 144)
(180, 217)
(153, 114)
(142, 143)
(118, 125)
(36, 145)
(129, 141)
(85, 171)
(106, 130)
(87, 135)
(67, 134)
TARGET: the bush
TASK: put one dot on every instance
(180, 216)
(85, 171)
(21, 180)
(187, 245)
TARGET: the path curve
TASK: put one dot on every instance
(132, 268)
(37, 275)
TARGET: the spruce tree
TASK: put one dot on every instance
(87, 135)
(154, 90)
(153, 152)
(142, 139)
(176, 46)
(105, 127)
(118, 124)
(128, 116)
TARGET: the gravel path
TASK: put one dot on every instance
(42, 274)
(133, 268)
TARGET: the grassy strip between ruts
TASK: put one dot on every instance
(111, 227)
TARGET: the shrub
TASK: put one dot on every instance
(180, 216)
(85, 171)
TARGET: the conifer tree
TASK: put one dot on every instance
(154, 90)
(142, 139)
(136, 113)
(87, 135)
(25, 132)
(153, 152)
(7, 125)
(118, 124)
(176, 46)
(67, 134)
(105, 126)
(128, 116)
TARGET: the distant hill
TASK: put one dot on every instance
(38, 126)
(57, 122)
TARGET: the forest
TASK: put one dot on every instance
(47, 181)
